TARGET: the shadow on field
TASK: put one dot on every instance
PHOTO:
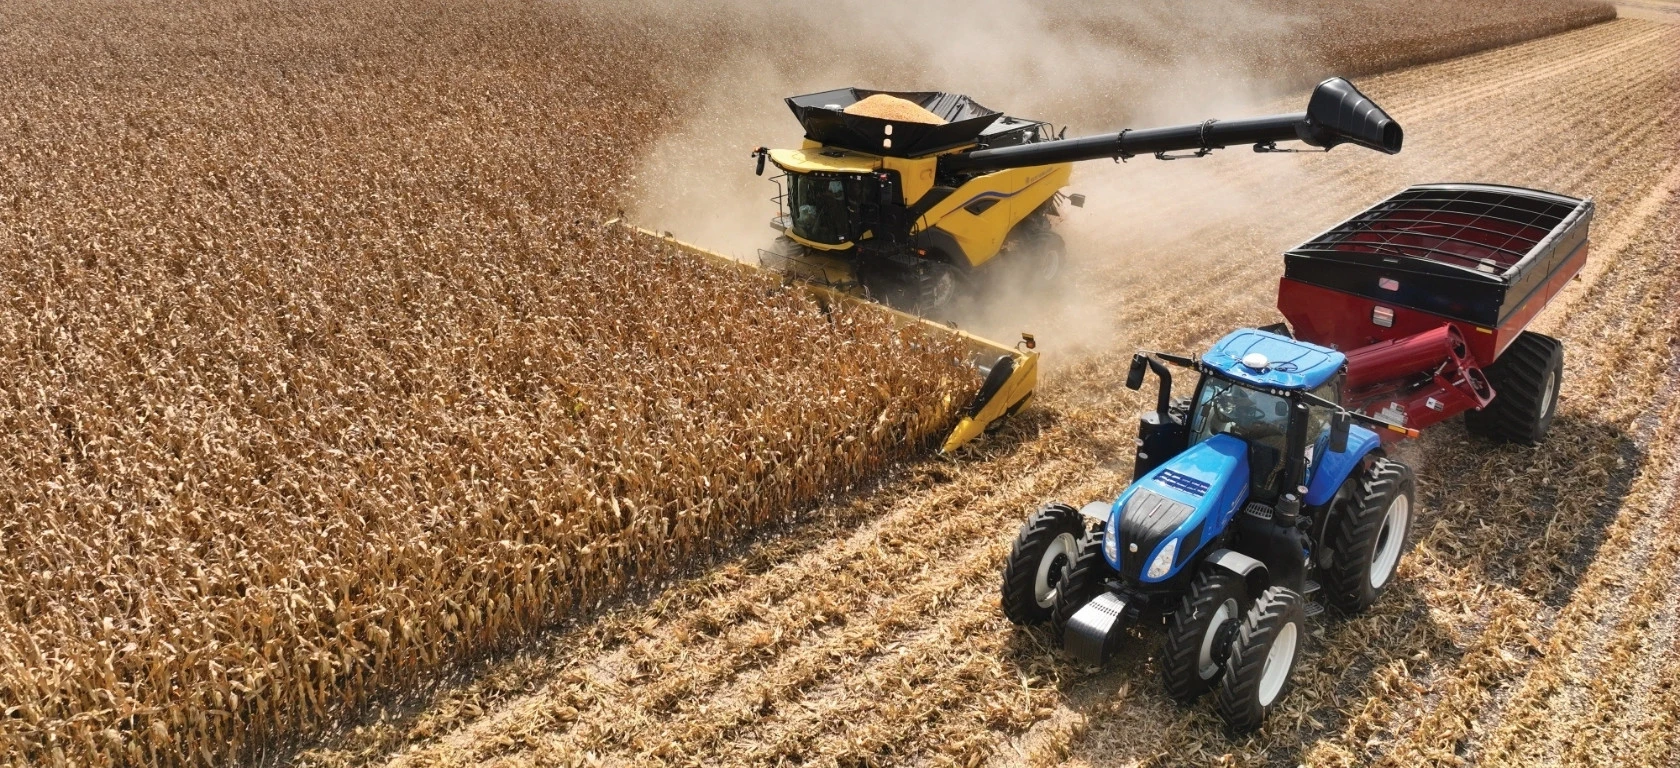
(1532, 518)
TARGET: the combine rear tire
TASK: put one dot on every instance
(1262, 659)
(1081, 582)
(1044, 549)
(1525, 382)
(1200, 632)
(1369, 536)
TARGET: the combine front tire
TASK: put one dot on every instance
(1525, 382)
(1049, 258)
(1369, 536)
(1200, 632)
(1044, 549)
(1262, 659)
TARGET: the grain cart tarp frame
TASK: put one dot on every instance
(1006, 375)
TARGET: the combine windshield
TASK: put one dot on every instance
(820, 205)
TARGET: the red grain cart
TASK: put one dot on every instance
(1428, 294)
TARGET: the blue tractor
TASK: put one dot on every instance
(1254, 502)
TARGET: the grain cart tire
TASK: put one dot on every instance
(1045, 547)
(1263, 658)
(1525, 380)
(1200, 632)
(1369, 535)
(1084, 577)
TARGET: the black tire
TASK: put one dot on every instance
(1039, 561)
(1049, 259)
(938, 287)
(1525, 380)
(1370, 535)
(1200, 632)
(1253, 683)
(1083, 579)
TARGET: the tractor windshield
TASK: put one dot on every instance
(1224, 406)
(820, 205)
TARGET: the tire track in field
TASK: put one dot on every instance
(902, 704)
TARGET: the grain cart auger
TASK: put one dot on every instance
(904, 197)
(1267, 494)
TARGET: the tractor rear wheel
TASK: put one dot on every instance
(1369, 535)
(1262, 659)
(1045, 547)
(1200, 632)
(1525, 380)
(1083, 579)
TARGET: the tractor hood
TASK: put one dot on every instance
(1180, 504)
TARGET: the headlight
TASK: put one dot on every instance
(1111, 542)
(1163, 561)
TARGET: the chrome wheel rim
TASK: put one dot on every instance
(1390, 540)
(1056, 558)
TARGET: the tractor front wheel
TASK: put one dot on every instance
(1262, 659)
(1045, 548)
(1083, 579)
(1369, 535)
(1200, 632)
(1525, 380)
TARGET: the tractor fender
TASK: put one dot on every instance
(1099, 511)
(1253, 571)
(1330, 470)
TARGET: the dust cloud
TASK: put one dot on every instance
(1094, 70)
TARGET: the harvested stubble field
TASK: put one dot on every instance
(303, 403)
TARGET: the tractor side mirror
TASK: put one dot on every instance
(1134, 377)
(1339, 432)
(761, 153)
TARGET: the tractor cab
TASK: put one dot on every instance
(1264, 408)
(1250, 386)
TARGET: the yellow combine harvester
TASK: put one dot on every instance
(906, 197)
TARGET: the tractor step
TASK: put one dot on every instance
(1310, 587)
(1258, 511)
(1314, 608)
